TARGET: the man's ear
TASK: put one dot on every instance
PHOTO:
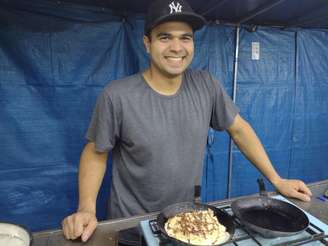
(146, 43)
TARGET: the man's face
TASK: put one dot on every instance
(171, 48)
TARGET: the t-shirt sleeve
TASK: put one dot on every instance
(104, 128)
(224, 110)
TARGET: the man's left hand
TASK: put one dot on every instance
(294, 188)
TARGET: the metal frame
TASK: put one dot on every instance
(234, 93)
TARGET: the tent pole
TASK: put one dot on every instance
(235, 70)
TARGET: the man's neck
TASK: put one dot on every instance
(162, 84)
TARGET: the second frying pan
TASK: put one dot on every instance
(268, 216)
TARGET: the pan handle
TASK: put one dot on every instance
(262, 187)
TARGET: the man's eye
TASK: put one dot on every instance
(187, 38)
(164, 38)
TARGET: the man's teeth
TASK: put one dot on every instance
(175, 58)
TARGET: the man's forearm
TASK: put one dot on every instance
(91, 172)
(247, 141)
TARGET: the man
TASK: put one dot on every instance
(156, 123)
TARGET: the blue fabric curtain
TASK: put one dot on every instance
(309, 157)
(55, 58)
(283, 96)
(265, 95)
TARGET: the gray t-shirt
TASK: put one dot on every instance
(157, 141)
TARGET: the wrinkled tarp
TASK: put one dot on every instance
(283, 96)
(55, 58)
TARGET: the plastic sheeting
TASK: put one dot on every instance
(265, 95)
(283, 96)
(309, 157)
(51, 74)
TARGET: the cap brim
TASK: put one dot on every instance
(194, 20)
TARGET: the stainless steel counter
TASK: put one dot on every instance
(106, 232)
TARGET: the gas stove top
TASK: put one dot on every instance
(316, 234)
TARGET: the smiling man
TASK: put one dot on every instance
(156, 124)
(171, 49)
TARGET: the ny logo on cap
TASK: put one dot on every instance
(175, 8)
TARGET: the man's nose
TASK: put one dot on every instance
(176, 45)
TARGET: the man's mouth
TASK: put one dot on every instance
(174, 59)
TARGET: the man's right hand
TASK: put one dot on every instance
(80, 224)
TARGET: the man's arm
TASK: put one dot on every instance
(249, 144)
(91, 172)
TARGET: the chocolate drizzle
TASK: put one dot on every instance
(202, 224)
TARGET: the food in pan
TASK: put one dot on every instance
(199, 227)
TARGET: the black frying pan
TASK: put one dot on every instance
(172, 210)
(268, 216)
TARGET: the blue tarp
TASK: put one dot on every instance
(283, 96)
(55, 59)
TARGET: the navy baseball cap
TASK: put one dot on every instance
(162, 11)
